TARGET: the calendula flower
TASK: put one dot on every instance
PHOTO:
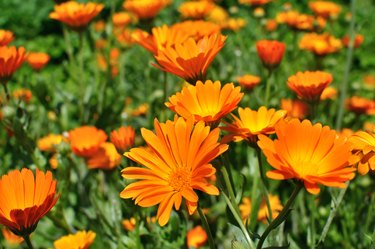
(190, 60)
(369, 126)
(49, 142)
(321, 157)
(177, 162)
(358, 40)
(364, 148)
(99, 25)
(309, 85)
(246, 205)
(325, 9)
(141, 110)
(271, 25)
(295, 108)
(329, 93)
(298, 21)
(6, 37)
(123, 138)
(248, 81)
(196, 237)
(218, 15)
(198, 29)
(86, 140)
(252, 123)
(79, 240)
(259, 12)
(76, 15)
(11, 59)
(129, 224)
(207, 101)
(53, 161)
(270, 52)
(196, 9)
(37, 60)
(145, 9)
(254, 2)
(369, 81)
(234, 24)
(121, 19)
(11, 238)
(106, 157)
(320, 44)
(25, 199)
(360, 105)
(23, 94)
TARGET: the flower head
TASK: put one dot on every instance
(329, 93)
(145, 9)
(106, 157)
(190, 60)
(121, 19)
(11, 238)
(295, 108)
(325, 9)
(11, 59)
(309, 85)
(360, 105)
(320, 44)
(358, 40)
(86, 140)
(6, 37)
(76, 15)
(123, 138)
(37, 60)
(79, 240)
(25, 199)
(298, 21)
(248, 81)
(196, 237)
(23, 94)
(270, 52)
(196, 9)
(49, 142)
(177, 162)
(276, 207)
(198, 29)
(321, 157)
(364, 148)
(205, 101)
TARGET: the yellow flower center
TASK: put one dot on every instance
(180, 179)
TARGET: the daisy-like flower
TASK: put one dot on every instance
(190, 60)
(320, 44)
(11, 238)
(23, 94)
(123, 138)
(364, 148)
(309, 85)
(270, 52)
(177, 162)
(234, 24)
(76, 15)
(196, 9)
(49, 142)
(198, 29)
(196, 237)
(360, 105)
(246, 205)
(248, 81)
(11, 59)
(321, 157)
(329, 93)
(6, 37)
(79, 240)
(299, 21)
(252, 123)
(145, 9)
(38, 60)
(206, 101)
(86, 140)
(25, 199)
(358, 40)
(325, 9)
(121, 19)
(106, 157)
(295, 108)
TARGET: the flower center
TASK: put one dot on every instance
(179, 179)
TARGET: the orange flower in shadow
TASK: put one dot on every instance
(360, 105)
(145, 9)
(325, 9)
(364, 148)
(177, 162)
(270, 52)
(196, 10)
(25, 199)
(196, 237)
(6, 37)
(190, 60)
(106, 157)
(248, 81)
(11, 59)
(38, 60)
(23, 94)
(198, 29)
(11, 238)
(86, 140)
(81, 239)
(123, 138)
(295, 108)
(322, 157)
(320, 44)
(246, 205)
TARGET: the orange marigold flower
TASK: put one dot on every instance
(360, 105)
(309, 85)
(234, 24)
(86, 140)
(271, 25)
(295, 108)
(6, 37)
(25, 199)
(358, 40)
(364, 147)
(246, 205)
(11, 59)
(254, 2)
(76, 15)
(270, 52)
(206, 101)
(298, 21)
(99, 25)
(369, 81)
(123, 138)
(196, 10)
(248, 81)
(38, 60)
(23, 94)
(125, 37)
(106, 157)
(196, 237)
(251, 123)
(218, 15)
(320, 44)
(129, 224)
(121, 19)
(259, 12)
(81, 239)
(53, 161)
(177, 162)
(325, 9)
(321, 158)
(329, 93)
(190, 60)
(49, 142)
(11, 238)
(369, 126)
(145, 9)
(198, 29)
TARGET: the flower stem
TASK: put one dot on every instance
(28, 241)
(207, 228)
(6, 90)
(230, 189)
(282, 215)
(264, 186)
(268, 87)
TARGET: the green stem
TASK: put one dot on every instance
(282, 215)
(6, 90)
(207, 228)
(230, 189)
(60, 222)
(268, 87)
(28, 241)
(264, 185)
(165, 86)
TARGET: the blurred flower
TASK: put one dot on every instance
(234, 24)
(53, 161)
(369, 81)
(100, 44)
(246, 205)
(218, 15)
(259, 12)
(123, 138)
(358, 40)
(325, 9)
(141, 110)
(298, 21)
(6, 37)
(309, 85)
(295, 108)
(198, 29)
(248, 81)
(11, 59)
(270, 52)
(76, 15)
(364, 148)
(106, 157)
(129, 224)
(360, 105)
(37, 60)
(145, 9)
(320, 44)
(11, 238)
(125, 37)
(99, 25)
(206, 101)
(177, 162)
(86, 140)
(368, 126)
(25, 199)
(321, 158)
(254, 2)
(251, 123)
(190, 60)
(329, 93)
(79, 240)
(346, 132)
(196, 9)
(121, 19)
(23, 94)
(271, 25)
(196, 237)
(49, 142)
